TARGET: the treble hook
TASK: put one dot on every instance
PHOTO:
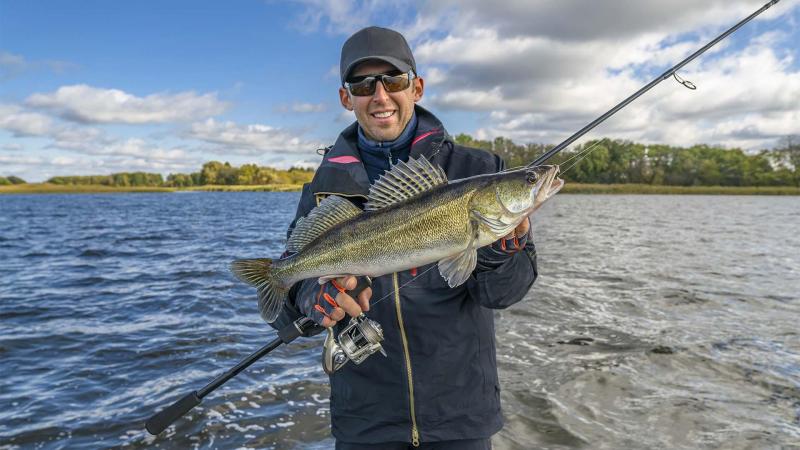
(686, 83)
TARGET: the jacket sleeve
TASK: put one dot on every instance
(290, 311)
(506, 284)
(500, 280)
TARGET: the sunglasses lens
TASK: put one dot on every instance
(392, 83)
(363, 87)
(396, 83)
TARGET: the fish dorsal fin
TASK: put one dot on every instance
(404, 181)
(331, 211)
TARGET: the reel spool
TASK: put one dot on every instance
(358, 340)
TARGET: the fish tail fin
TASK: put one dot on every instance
(259, 273)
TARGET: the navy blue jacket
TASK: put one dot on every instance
(439, 381)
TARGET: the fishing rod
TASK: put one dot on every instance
(672, 72)
(362, 336)
(357, 341)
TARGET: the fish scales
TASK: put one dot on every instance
(413, 217)
(414, 233)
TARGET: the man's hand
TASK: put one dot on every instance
(521, 229)
(345, 303)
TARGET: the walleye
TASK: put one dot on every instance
(413, 216)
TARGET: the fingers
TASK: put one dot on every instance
(523, 227)
(363, 298)
(348, 282)
(344, 304)
(520, 230)
(350, 306)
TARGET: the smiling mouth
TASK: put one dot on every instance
(383, 115)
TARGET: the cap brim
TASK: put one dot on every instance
(400, 65)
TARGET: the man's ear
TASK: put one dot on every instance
(419, 88)
(344, 97)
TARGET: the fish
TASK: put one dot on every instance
(413, 216)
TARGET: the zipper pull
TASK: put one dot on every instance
(414, 436)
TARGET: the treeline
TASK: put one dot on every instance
(218, 173)
(604, 161)
(5, 181)
(212, 173)
(618, 161)
(116, 179)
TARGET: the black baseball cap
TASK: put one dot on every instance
(378, 43)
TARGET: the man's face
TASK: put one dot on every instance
(371, 111)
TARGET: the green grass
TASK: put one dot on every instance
(576, 188)
(243, 188)
(47, 188)
(569, 188)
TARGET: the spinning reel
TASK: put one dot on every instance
(357, 341)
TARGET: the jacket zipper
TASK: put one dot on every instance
(414, 430)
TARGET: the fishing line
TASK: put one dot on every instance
(580, 153)
(371, 304)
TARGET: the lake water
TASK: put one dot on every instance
(657, 322)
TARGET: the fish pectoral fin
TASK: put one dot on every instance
(457, 268)
(496, 226)
(326, 278)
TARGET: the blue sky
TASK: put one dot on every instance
(99, 87)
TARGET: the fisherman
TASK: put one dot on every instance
(438, 387)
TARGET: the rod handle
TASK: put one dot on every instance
(164, 418)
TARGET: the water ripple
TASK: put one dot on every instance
(657, 322)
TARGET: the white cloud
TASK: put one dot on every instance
(21, 123)
(12, 146)
(301, 107)
(249, 139)
(40, 168)
(346, 16)
(12, 65)
(542, 69)
(87, 104)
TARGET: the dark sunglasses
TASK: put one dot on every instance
(364, 86)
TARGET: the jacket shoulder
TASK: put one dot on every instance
(477, 161)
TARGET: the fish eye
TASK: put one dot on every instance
(531, 177)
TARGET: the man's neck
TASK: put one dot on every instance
(387, 147)
(379, 156)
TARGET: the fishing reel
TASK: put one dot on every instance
(357, 341)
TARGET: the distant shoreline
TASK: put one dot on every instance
(48, 188)
(569, 188)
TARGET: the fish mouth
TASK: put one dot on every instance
(554, 184)
(547, 187)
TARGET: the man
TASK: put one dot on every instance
(438, 387)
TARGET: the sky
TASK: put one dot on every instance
(97, 87)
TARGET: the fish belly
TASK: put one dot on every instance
(382, 242)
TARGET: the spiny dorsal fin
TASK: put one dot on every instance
(403, 181)
(331, 211)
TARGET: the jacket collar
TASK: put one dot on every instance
(342, 171)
